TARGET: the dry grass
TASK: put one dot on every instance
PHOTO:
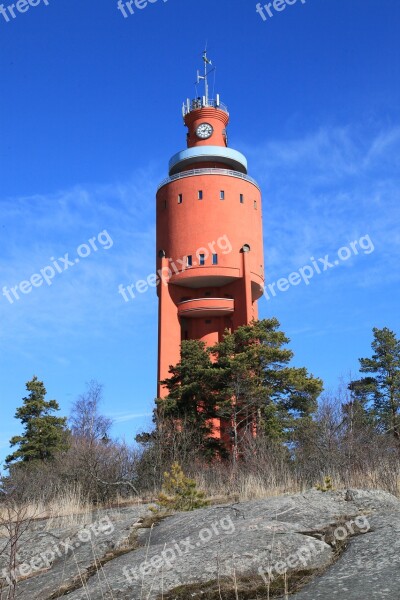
(243, 587)
(70, 507)
(246, 486)
(368, 480)
(253, 487)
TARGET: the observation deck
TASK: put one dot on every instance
(206, 307)
(216, 154)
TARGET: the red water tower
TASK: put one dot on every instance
(209, 236)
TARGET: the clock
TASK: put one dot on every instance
(204, 131)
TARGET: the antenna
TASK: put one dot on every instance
(207, 62)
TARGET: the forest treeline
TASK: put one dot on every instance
(279, 431)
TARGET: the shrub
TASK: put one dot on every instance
(326, 486)
(179, 492)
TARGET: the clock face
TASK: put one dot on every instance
(204, 131)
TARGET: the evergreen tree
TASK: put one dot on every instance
(191, 400)
(257, 387)
(358, 411)
(188, 385)
(180, 492)
(245, 380)
(44, 434)
(380, 393)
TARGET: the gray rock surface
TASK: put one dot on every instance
(346, 543)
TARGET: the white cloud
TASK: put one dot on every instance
(124, 417)
(325, 190)
(41, 227)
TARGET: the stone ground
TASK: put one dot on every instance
(343, 545)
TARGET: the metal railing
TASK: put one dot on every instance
(202, 102)
(208, 171)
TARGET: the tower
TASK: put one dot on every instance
(209, 235)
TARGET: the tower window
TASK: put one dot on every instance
(208, 321)
(189, 261)
(202, 259)
(241, 199)
(200, 194)
(215, 259)
(180, 198)
(255, 204)
(222, 195)
(207, 294)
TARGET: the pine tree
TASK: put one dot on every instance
(381, 391)
(243, 379)
(257, 387)
(358, 412)
(191, 399)
(180, 492)
(44, 434)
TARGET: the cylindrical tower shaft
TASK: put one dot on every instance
(209, 238)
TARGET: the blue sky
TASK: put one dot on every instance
(90, 115)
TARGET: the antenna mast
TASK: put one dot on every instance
(200, 102)
(207, 61)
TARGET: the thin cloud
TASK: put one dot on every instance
(88, 291)
(124, 417)
(325, 190)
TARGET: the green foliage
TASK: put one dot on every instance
(255, 373)
(379, 394)
(44, 434)
(191, 399)
(326, 485)
(243, 380)
(180, 492)
(188, 385)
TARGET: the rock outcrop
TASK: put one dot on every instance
(315, 545)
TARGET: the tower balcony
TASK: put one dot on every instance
(203, 276)
(208, 171)
(206, 307)
(200, 154)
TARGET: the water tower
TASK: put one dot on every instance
(209, 234)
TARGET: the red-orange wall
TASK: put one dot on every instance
(184, 228)
(187, 227)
